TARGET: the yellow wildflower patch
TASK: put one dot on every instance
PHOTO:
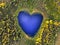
(40, 37)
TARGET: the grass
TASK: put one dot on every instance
(10, 32)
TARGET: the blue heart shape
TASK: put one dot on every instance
(29, 23)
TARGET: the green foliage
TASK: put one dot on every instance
(30, 42)
(52, 9)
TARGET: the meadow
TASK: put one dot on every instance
(12, 34)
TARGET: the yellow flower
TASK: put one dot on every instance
(47, 22)
(7, 24)
(8, 30)
(38, 39)
(2, 4)
(14, 38)
(37, 42)
(51, 21)
(46, 26)
(56, 23)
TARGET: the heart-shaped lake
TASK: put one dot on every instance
(30, 24)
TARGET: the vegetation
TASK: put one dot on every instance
(12, 34)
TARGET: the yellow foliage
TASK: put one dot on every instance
(14, 38)
(3, 43)
(3, 40)
(46, 26)
(56, 35)
(37, 42)
(56, 23)
(47, 22)
(51, 21)
(3, 21)
(59, 23)
(38, 39)
(8, 30)
(2, 4)
(0, 28)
